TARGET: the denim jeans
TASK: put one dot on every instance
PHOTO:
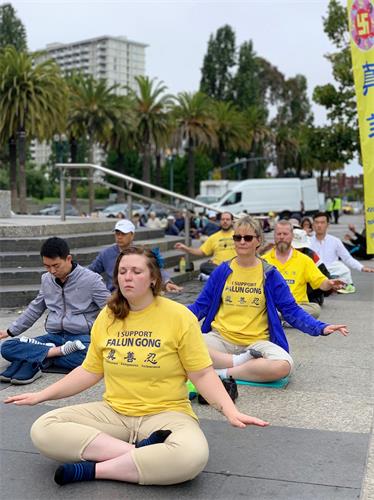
(15, 350)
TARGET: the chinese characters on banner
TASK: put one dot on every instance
(361, 28)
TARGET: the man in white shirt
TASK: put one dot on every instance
(331, 249)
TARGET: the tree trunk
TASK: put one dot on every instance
(121, 183)
(91, 186)
(147, 168)
(22, 171)
(74, 172)
(329, 182)
(158, 172)
(320, 188)
(191, 169)
(13, 173)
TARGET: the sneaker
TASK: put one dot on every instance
(29, 340)
(203, 277)
(347, 289)
(231, 387)
(255, 353)
(26, 374)
(12, 369)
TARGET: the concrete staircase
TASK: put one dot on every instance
(20, 262)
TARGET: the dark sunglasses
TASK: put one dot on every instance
(247, 237)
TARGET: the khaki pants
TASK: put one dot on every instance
(63, 435)
(311, 308)
(269, 350)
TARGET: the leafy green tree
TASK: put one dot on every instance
(261, 139)
(32, 106)
(12, 30)
(330, 148)
(195, 128)
(247, 86)
(230, 128)
(152, 120)
(294, 112)
(93, 110)
(218, 64)
(339, 98)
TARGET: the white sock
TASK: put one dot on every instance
(221, 372)
(72, 346)
(239, 359)
(28, 340)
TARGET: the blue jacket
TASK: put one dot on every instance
(105, 262)
(278, 297)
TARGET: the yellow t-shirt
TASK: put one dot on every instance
(144, 358)
(220, 245)
(298, 271)
(242, 316)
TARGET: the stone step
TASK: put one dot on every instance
(21, 227)
(82, 255)
(78, 240)
(32, 275)
(18, 296)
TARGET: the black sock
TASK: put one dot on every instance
(70, 473)
(155, 438)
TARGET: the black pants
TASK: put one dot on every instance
(207, 267)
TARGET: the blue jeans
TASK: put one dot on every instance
(15, 350)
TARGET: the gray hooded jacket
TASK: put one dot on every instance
(72, 308)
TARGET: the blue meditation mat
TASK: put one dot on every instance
(277, 384)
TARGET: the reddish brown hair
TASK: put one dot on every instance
(117, 303)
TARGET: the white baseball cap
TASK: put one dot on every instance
(300, 239)
(124, 226)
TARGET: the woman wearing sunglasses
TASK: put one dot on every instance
(240, 304)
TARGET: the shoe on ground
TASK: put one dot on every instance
(26, 374)
(231, 388)
(347, 289)
(203, 277)
(10, 371)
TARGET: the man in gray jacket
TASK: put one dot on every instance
(73, 297)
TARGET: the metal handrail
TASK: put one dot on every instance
(133, 180)
(63, 166)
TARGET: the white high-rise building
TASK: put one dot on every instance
(115, 59)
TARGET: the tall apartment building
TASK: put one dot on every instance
(116, 59)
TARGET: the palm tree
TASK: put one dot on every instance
(93, 110)
(230, 128)
(32, 106)
(152, 120)
(122, 137)
(195, 127)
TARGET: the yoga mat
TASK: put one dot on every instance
(277, 384)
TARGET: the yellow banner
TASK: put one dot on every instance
(361, 29)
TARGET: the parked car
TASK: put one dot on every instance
(113, 210)
(56, 210)
(161, 211)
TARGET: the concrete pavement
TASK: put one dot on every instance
(319, 446)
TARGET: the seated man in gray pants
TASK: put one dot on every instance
(73, 297)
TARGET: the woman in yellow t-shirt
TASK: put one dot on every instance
(240, 304)
(144, 431)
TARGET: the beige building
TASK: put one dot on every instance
(115, 59)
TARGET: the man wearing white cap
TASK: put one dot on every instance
(124, 231)
(298, 269)
(212, 226)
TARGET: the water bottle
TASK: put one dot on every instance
(182, 265)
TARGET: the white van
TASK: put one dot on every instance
(260, 196)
